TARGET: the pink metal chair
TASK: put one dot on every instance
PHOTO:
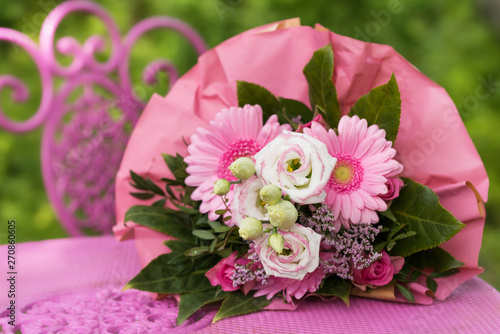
(74, 285)
(80, 157)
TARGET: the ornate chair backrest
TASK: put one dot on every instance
(84, 136)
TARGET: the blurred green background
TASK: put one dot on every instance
(455, 43)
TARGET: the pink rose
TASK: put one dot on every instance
(318, 119)
(303, 245)
(393, 185)
(221, 273)
(380, 272)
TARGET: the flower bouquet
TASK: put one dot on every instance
(293, 181)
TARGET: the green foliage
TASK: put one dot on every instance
(170, 275)
(173, 223)
(192, 302)
(419, 210)
(381, 106)
(250, 93)
(322, 92)
(435, 258)
(293, 108)
(238, 303)
(285, 109)
(335, 286)
(405, 292)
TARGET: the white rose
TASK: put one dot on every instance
(303, 258)
(297, 163)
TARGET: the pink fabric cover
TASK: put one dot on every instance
(60, 265)
(433, 143)
(73, 286)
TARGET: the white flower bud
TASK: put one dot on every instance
(221, 187)
(270, 194)
(242, 168)
(250, 228)
(277, 242)
(282, 214)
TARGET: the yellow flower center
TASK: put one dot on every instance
(343, 173)
(293, 165)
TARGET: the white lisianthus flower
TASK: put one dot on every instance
(242, 168)
(297, 163)
(246, 201)
(300, 255)
(276, 242)
(221, 187)
(282, 215)
(250, 228)
(270, 194)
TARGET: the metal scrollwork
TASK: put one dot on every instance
(85, 136)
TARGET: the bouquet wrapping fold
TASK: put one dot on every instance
(432, 144)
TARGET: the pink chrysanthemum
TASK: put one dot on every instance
(234, 133)
(364, 162)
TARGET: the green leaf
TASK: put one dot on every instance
(419, 210)
(292, 109)
(250, 93)
(405, 235)
(139, 181)
(178, 246)
(160, 203)
(143, 195)
(202, 221)
(322, 93)
(196, 251)
(177, 166)
(162, 277)
(381, 106)
(170, 192)
(405, 292)
(220, 212)
(154, 188)
(186, 197)
(238, 303)
(161, 220)
(415, 275)
(212, 246)
(335, 286)
(435, 258)
(388, 214)
(437, 274)
(431, 284)
(178, 259)
(214, 224)
(192, 302)
(204, 234)
(222, 229)
(226, 252)
(188, 210)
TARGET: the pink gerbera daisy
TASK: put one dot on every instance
(234, 133)
(290, 287)
(364, 162)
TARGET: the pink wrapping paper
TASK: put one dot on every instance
(432, 144)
